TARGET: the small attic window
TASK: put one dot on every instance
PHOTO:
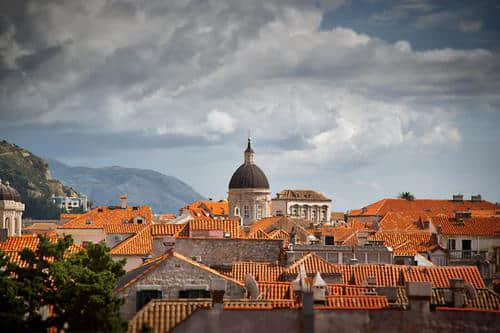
(88, 222)
(99, 210)
(135, 208)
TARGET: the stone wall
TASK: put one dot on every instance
(172, 276)
(226, 251)
(373, 321)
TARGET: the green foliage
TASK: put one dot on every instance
(406, 196)
(27, 174)
(78, 287)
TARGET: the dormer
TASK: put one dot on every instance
(139, 220)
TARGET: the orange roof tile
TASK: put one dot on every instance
(439, 276)
(406, 243)
(404, 221)
(139, 244)
(124, 228)
(261, 271)
(164, 315)
(230, 225)
(105, 215)
(275, 290)
(265, 223)
(259, 234)
(166, 229)
(354, 302)
(430, 206)
(474, 226)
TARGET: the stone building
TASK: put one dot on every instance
(306, 204)
(172, 276)
(249, 195)
(11, 210)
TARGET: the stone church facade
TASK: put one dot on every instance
(11, 210)
(249, 196)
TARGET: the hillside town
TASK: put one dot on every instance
(289, 262)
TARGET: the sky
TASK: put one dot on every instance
(359, 100)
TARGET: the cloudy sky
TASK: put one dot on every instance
(357, 99)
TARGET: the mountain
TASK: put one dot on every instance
(30, 176)
(103, 186)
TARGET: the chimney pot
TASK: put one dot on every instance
(123, 200)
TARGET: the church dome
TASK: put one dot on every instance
(249, 175)
(8, 193)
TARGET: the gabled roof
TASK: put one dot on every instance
(404, 221)
(430, 206)
(258, 234)
(98, 217)
(139, 244)
(313, 264)
(473, 226)
(364, 302)
(301, 195)
(407, 243)
(123, 228)
(136, 274)
(164, 315)
(166, 229)
(261, 271)
(439, 276)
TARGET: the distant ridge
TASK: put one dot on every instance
(103, 186)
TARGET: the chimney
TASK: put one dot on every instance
(475, 198)
(307, 319)
(419, 296)
(458, 197)
(319, 289)
(218, 289)
(123, 200)
(457, 287)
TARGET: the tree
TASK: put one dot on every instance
(78, 288)
(406, 196)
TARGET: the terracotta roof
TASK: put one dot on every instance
(312, 264)
(439, 276)
(164, 315)
(229, 225)
(68, 216)
(335, 216)
(124, 228)
(474, 226)
(407, 243)
(405, 221)
(166, 229)
(345, 231)
(139, 244)
(275, 290)
(136, 274)
(354, 302)
(105, 215)
(261, 271)
(279, 234)
(302, 195)
(15, 244)
(430, 206)
(265, 223)
(258, 234)
(166, 216)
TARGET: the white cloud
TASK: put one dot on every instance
(321, 96)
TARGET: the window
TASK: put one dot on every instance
(304, 212)
(144, 296)
(452, 244)
(259, 211)
(329, 240)
(194, 293)
(246, 211)
(236, 211)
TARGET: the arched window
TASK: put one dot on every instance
(236, 211)
(259, 211)
(246, 211)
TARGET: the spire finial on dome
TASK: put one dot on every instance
(249, 153)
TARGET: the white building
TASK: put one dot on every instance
(306, 204)
(11, 210)
(79, 204)
(249, 196)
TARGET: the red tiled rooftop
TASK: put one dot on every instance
(473, 226)
(98, 217)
